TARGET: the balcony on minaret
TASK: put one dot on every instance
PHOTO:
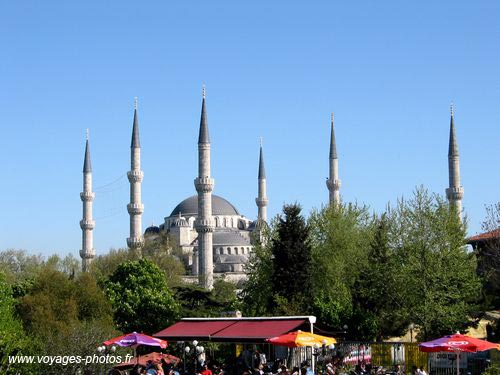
(455, 193)
(135, 176)
(87, 254)
(204, 225)
(261, 202)
(333, 184)
(135, 242)
(204, 184)
(87, 224)
(87, 196)
(135, 208)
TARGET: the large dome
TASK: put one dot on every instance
(189, 207)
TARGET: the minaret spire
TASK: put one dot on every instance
(261, 199)
(135, 208)
(333, 183)
(204, 185)
(87, 223)
(455, 191)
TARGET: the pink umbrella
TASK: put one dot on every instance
(135, 339)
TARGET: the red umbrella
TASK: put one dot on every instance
(457, 343)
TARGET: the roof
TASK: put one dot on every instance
(87, 165)
(234, 329)
(262, 169)
(333, 144)
(189, 206)
(135, 143)
(203, 136)
(229, 237)
(453, 146)
(493, 234)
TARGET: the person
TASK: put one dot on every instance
(206, 370)
(284, 370)
(421, 371)
(159, 369)
(397, 370)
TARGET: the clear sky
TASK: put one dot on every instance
(276, 69)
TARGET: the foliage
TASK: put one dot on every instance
(104, 265)
(340, 238)
(257, 290)
(199, 302)
(165, 253)
(438, 274)
(292, 264)
(158, 251)
(13, 340)
(140, 297)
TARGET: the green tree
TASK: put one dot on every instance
(140, 297)
(292, 275)
(13, 340)
(256, 294)
(199, 302)
(65, 315)
(439, 275)
(378, 306)
(341, 236)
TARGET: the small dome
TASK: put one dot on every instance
(180, 222)
(220, 206)
(152, 230)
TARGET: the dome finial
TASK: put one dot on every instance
(452, 108)
(332, 117)
(203, 90)
(135, 102)
(87, 134)
(260, 141)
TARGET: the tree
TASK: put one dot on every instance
(340, 237)
(292, 271)
(256, 294)
(140, 297)
(199, 302)
(376, 298)
(438, 274)
(13, 340)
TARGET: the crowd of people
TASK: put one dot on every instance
(256, 363)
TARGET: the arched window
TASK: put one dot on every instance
(216, 221)
(229, 250)
(224, 222)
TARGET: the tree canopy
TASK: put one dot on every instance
(140, 297)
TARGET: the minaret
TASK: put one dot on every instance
(455, 191)
(204, 185)
(261, 199)
(135, 208)
(333, 183)
(87, 224)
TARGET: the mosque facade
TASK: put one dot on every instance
(215, 239)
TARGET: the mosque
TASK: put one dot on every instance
(214, 237)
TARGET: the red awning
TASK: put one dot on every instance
(198, 329)
(257, 330)
(232, 329)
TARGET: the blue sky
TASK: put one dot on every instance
(276, 69)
